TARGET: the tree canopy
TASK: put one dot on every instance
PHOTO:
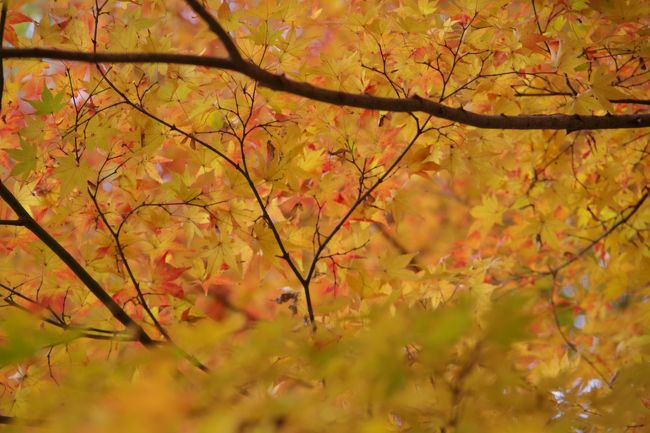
(351, 216)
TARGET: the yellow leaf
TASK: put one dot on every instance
(487, 214)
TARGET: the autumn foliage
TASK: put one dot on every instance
(325, 216)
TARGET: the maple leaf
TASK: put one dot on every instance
(603, 90)
(13, 18)
(49, 103)
(25, 158)
(487, 214)
(74, 174)
(165, 275)
(402, 242)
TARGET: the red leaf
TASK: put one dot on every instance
(14, 18)
(167, 272)
(17, 17)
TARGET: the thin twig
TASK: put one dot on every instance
(602, 236)
(570, 344)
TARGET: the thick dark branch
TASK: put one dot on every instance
(81, 273)
(413, 104)
(18, 223)
(86, 57)
(417, 104)
(3, 22)
(216, 28)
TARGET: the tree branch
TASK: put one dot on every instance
(81, 273)
(362, 198)
(602, 236)
(3, 22)
(86, 332)
(279, 82)
(216, 28)
(18, 223)
(127, 266)
(570, 344)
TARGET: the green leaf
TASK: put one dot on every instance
(509, 320)
(442, 328)
(24, 337)
(25, 158)
(74, 175)
(49, 103)
(215, 120)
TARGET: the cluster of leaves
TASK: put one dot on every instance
(277, 216)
